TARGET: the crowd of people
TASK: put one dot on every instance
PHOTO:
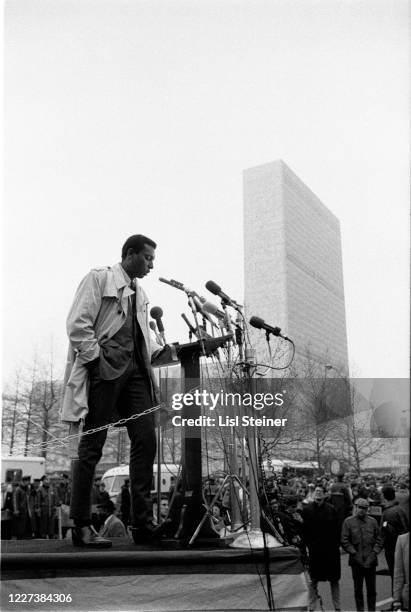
(30, 507)
(323, 517)
(333, 515)
(327, 516)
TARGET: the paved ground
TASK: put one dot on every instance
(347, 590)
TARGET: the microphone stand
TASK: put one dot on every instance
(255, 538)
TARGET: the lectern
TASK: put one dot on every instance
(187, 507)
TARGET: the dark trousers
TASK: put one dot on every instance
(389, 549)
(129, 394)
(369, 574)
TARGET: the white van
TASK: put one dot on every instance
(114, 478)
(17, 466)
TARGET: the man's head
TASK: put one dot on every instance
(388, 493)
(105, 510)
(291, 504)
(362, 506)
(319, 494)
(44, 481)
(163, 508)
(216, 511)
(137, 255)
(101, 486)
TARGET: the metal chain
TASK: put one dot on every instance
(63, 441)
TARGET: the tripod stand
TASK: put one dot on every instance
(229, 478)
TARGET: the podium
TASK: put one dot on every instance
(188, 505)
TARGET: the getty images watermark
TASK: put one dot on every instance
(223, 399)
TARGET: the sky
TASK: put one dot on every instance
(126, 117)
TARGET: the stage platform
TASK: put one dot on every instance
(148, 578)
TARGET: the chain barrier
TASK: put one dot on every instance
(64, 441)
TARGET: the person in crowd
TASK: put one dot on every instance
(273, 519)
(46, 504)
(20, 514)
(321, 535)
(29, 491)
(124, 503)
(171, 488)
(36, 519)
(340, 498)
(216, 518)
(95, 500)
(209, 490)
(355, 493)
(362, 540)
(310, 494)
(63, 490)
(394, 523)
(111, 525)
(401, 588)
(110, 349)
(293, 524)
(402, 495)
(6, 509)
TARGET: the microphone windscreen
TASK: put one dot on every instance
(152, 325)
(156, 312)
(212, 309)
(213, 287)
(257, 322)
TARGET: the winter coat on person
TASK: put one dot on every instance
(361, 538)
(321, 535)
(401, 586)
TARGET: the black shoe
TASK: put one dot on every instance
(88, 537)
(145, 534)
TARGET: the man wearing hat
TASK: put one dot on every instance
(362, 540)
(112, 527)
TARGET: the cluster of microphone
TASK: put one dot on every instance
(217, 318)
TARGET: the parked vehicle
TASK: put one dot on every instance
(14, 467)
(114, 478)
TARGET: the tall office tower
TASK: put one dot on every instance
(293, 264)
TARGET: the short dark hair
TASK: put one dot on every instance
(137, 242)
(108, 505)
(389, 493)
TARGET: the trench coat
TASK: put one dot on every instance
(98, 311)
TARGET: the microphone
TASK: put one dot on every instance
(154, 328)
(198, 334)
(213, 309)
(216, 289)
(200, 308)
(156, 313)
(190, 327)
(177, 285)
(261, 324)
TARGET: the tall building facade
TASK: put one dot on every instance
(293, 264)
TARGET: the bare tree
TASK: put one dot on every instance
(358, 445)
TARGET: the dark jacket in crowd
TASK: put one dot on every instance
(321, 535)
(361, 538)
